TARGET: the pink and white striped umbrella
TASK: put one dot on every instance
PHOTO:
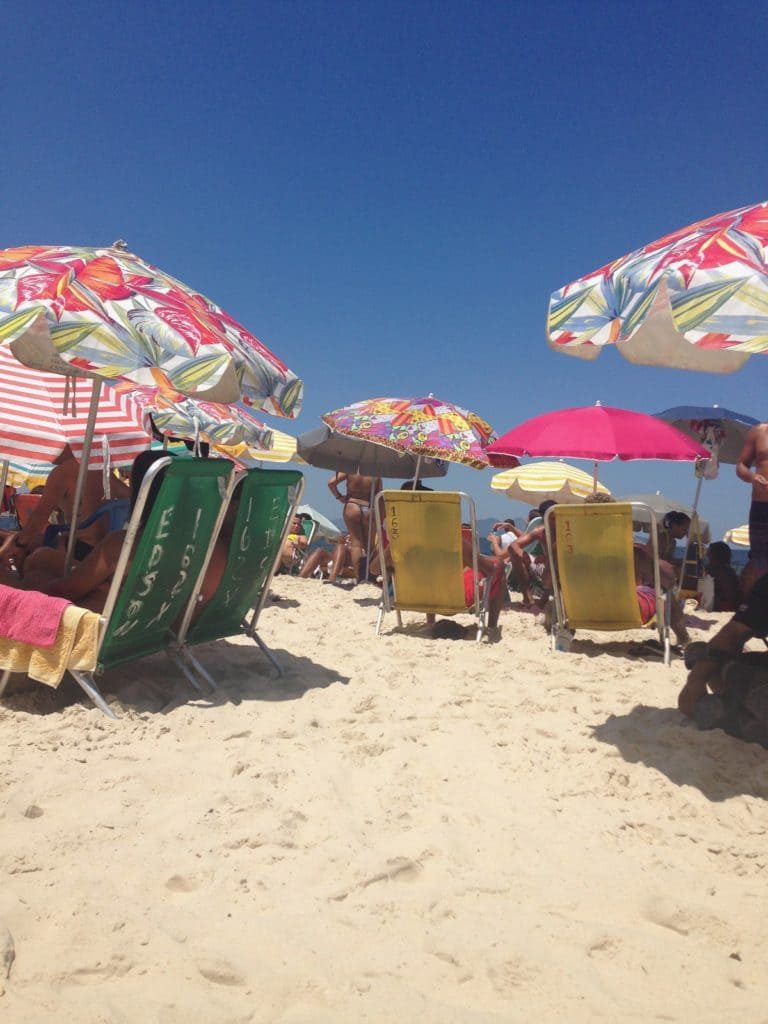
(37, 420)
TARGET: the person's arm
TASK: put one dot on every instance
(747, 458)
(537, 534)
(333, 485)
(496, 547)
(96, 568)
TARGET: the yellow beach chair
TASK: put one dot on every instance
(591, 551)
(422, 531)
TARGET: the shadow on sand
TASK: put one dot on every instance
(718, 765)
(157, 686)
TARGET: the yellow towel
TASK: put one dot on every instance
(76, 646)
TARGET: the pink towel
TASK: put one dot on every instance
(29, 616)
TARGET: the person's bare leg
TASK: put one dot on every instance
(706, 673)
(313, 560)
(42, 566)
(521, 564)
(353, 518)
(677, 620)
(340, 555)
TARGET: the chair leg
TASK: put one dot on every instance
(255, 636)
(193, 662)
(379, 620)
(88, 683)
(180, 662)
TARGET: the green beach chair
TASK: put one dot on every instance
(265, 500)
(157, 573)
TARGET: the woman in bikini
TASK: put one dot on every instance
(360, 491)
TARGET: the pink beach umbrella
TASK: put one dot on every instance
(599, 433)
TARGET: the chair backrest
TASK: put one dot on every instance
(424, 534)
(170, 555)
(594, 563)
(264, 501)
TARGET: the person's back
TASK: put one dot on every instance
(727, 590)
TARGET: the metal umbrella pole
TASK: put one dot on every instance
(80, 486)
(3, 479)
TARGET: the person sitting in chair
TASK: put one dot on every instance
(59, 494)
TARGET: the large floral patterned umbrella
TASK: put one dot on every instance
(696, 299)
(108, 313)
(176, 415)
(426, 427)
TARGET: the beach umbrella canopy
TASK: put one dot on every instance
(541, 481)
(599, 433)
(42, 413)
(660, 504)
(177, 415)
(283, 450)
(107, 312)
(722, 431)
(696, 299)
(739, 536)
(424, 427)
(328, 449)
(325, 528)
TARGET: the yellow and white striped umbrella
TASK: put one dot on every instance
(540, 481)
(283, 450)
(739, 535)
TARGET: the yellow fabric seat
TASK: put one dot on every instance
(591, 550)
(423, 533)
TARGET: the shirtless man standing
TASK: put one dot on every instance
(357, 512)
(755, 453)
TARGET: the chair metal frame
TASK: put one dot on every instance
(179, 650)
(87, 680)
(663, 599)
(481, 601)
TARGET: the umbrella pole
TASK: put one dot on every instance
(416, 474)
(3, 480)
(370, 526)
(80, 487)
(594, 477)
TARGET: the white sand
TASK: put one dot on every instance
(400, 830)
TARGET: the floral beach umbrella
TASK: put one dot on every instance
(426, 427)
(696, 299)
(108, 313)
(541, 481)
(176, 415)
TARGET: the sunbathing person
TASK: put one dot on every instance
(87, 584)
(330, 564)
(357, 512)
(59, 494)
(527, 554)
(295, 543)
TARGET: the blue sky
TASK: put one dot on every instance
(386, 194)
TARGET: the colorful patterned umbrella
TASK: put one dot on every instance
(542, 481)
(107, 312)
(739, 536)
(176, 415)
(426, 427)
(599, 433)
(696, 299)
(42, 413)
